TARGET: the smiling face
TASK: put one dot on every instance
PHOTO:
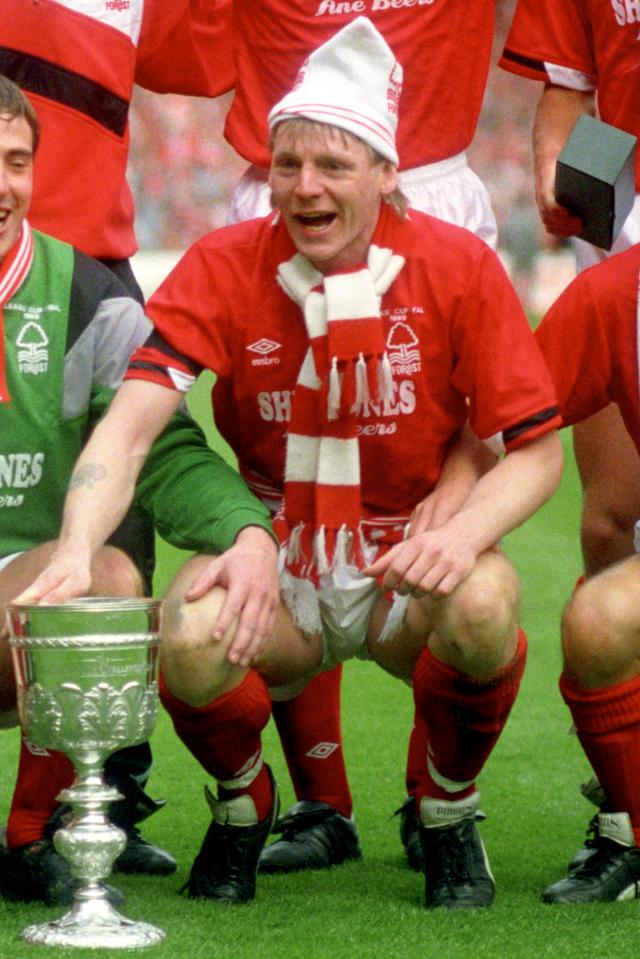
(328, 188)
(16, 177)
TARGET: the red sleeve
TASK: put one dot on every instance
(500, 368)
(545, 35)
(186, 46)
(156, 362)
(588, 339)
(191, 313)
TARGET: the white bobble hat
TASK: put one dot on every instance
(353, 81)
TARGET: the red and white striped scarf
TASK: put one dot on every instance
(345, 366)
(13, 269)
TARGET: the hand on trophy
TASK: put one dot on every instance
(67, 576)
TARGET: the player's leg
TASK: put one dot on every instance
(219, 711)
(31, 869)
(606, 457)
(601, 686)
(451, 191)
(318, 831)
(414, 774)
(609, 469)
(465, 655)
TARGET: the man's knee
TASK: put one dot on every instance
(601, 630)
(115, 574)
(194, 664)
(478, 625)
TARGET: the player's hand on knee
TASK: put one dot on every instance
(66, 577)
(249, 574)
(428, 563)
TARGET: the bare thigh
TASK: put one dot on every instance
(609, 469)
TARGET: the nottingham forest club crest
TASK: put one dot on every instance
(33, 355)
(401, 349)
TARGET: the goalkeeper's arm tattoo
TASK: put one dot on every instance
(88, 475)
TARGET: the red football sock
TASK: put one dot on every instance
(417, 754)
(224, 736)
(608, 725)
(309, 728)
(40, 779)
(464, 719)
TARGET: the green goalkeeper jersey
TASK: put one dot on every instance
(68, 333)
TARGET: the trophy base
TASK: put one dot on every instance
(94, 926)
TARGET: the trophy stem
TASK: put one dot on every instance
(90, 844)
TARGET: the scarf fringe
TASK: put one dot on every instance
(333, 398)
(372, 376)
(363, 394)
(315, 553)
(295, 554)
(385, 380)
(320, 551)
(301, 599)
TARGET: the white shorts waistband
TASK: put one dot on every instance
(432, 171)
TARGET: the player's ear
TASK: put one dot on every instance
(389, 177)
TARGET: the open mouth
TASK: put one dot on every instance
(4, 216)
(315, 221)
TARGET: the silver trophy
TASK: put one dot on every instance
(86, 675)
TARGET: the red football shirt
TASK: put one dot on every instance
(459, 344)
(444, 47)
(77, 60)
(589, 339)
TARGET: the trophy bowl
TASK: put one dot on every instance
(87, 684)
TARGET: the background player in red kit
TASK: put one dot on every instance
(437, 121)
(586, 54)
(331, 277)
(77, 61)
(590, 341)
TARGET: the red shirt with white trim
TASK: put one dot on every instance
(458, 341)
(77, 60)
(582, 45)
(589, 339)
(444, 47)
